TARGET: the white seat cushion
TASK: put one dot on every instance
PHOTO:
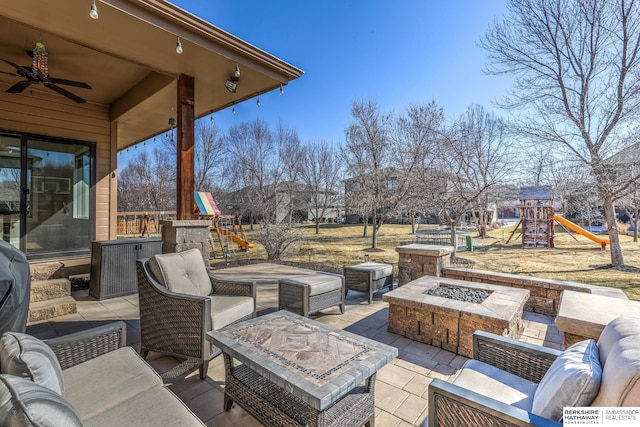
(319, 283)
(619, 346)
(107, 381)
(157, 406)
(228, 309)
(497, 384)
(572, 380)
(378, 270)
(182, 272)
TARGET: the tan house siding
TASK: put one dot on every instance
(54, 115)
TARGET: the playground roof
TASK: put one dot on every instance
(542, 192)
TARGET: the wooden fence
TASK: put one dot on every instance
(139, 223)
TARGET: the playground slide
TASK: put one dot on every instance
(244, 245)
(578, 229)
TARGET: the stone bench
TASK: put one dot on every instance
(544, 293)
(583, 316)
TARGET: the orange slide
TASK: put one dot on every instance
(578, 229)
(244, 245)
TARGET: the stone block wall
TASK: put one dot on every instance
(182, 235)
(417, 260)
(544, 294)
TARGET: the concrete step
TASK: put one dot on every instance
(46, 270)
(43, 310)
(42, 290)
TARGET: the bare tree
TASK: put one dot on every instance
(473, 156)
(209, 157)
(147, 183)
(321, 174)
(383, 153)
(577, 79)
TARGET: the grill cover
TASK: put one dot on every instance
(15, 287)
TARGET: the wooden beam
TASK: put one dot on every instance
(186, 123)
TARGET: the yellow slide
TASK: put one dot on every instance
(578, 229)
(244, 245)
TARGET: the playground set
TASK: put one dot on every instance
(228, 228)
(538, 218)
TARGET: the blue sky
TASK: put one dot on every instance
(397, 53)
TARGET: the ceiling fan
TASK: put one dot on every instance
(38, 72)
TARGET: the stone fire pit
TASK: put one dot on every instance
(449, 323)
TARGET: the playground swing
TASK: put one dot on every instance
(537, 218)
(228, 228)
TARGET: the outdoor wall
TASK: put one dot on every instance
(54, 115)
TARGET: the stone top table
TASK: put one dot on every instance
(319, 367)
(450, 323)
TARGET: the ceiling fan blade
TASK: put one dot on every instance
(69, 83)
(64, 92)
(23, 71)
(20, 86)
(11, 74)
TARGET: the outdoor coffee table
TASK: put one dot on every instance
(299, 372)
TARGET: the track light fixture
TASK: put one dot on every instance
(93, 12)
(179, 47)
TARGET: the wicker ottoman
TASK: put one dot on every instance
(307, 294)
(368, 277)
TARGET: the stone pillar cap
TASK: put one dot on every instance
(419, 248)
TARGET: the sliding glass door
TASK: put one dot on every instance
(45, 195)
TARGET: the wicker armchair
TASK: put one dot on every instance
(176, 324)
(453, 405)
(524, 379)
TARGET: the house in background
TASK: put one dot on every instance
(75, 90)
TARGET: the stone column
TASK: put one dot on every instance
(181, 235)
(417, 260)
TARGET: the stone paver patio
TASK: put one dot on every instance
(401, 386)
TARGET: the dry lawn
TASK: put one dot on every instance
(575, 259)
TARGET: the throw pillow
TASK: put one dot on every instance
(26, 356)
(572, 380)
(25, 403)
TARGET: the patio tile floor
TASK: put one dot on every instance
(401, 386)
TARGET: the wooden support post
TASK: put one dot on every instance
(185, 164)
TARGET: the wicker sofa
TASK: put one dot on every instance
(502, 385)
(89, 378)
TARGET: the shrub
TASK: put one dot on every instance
(278, 239)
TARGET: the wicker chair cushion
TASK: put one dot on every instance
(226, 310)
(572, 380)
(619, 346)
(25, 356)
(319, 283)
(108, 381)
(157, 407)
(378, 270)
(500, 385)
(25, 403)
(182, 272)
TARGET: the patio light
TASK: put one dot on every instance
(93, 13)
(258, 100)
(178, 47)
(231, 84)
(237, 73)
(281, 89)
(233, 110)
